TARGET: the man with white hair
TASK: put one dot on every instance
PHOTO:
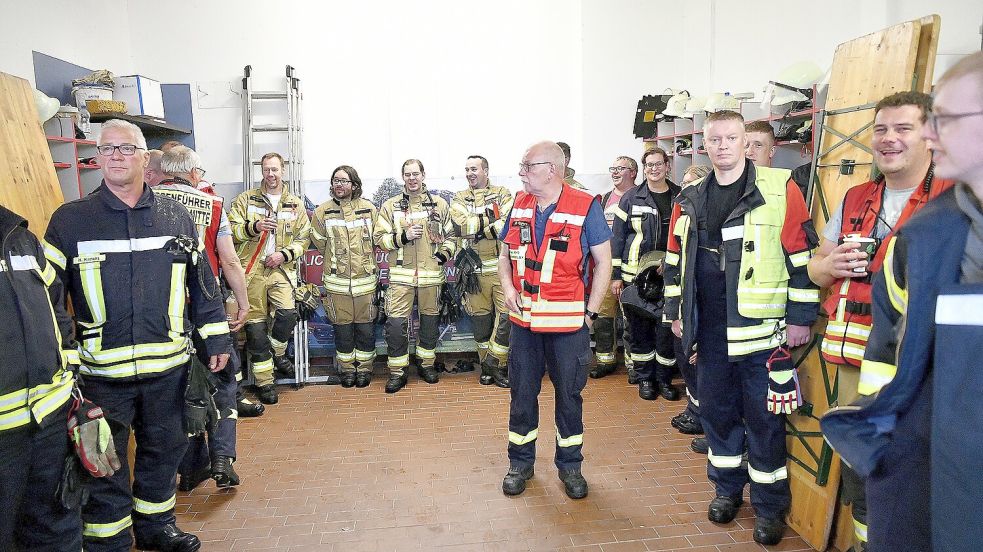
(131, 263)
(182, 172)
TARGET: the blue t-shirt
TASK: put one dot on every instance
(595, 229)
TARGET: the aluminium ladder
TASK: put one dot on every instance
(292, 99)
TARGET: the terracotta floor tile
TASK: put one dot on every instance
(356, 470)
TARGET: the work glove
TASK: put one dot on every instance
(200, 411)
(467, 264)
(784, 394)
(379, 302)
(450, 308)
(93, 439)
(72, 492)
(307, 297)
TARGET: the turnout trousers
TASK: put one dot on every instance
(31, 515)
(491, 321)
(567, 358)
(651, 349)
(154, 409)
(353, 319)
(399, 310)
(733, 406)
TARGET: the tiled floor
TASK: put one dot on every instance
(338, 469)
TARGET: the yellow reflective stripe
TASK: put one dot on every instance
(346, 357)
(497, 349)
(54, 397)
(426, 354)
(641, 357)
(119, 354)
(616, 263)
(399, 362)
(554, 321)
(177, 300)
(800, 259)
(692, 399)
(364, 356)
(106, 530)
(571, 441)
(851, 329)
(54, 255)
(842, 348)
(517, 439)
(48, 274)
(604, 358)
(673, 291)
(803, 295)
(860, 530)
(665, 361)
(724, 462)
(897, 294)
(555, 306)
(16, 418)
(91, 277)
(520, 264)
(215, 328)
(762, 290)
(875, 375)
(634, 250)
(767, 477)
(618, 212)
(751, 332)
(546, 274)
(147, 507)
(138, 367)
(672, 258)
(350, 286)
(747, 347)
(263, 366)
(70, 356)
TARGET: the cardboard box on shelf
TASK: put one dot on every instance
(141, 94)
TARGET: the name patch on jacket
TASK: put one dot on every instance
(199, 207)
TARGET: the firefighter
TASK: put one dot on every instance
(182, 172)
(415, 227)
(916, 438)
(737, 285)
(872, 211)
(550, 235)
(479, 214)
(569, 173)
(271, 230)
(641, 223)
(132, 265)
(342, 231)
(37, 366)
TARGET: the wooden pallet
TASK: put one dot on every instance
(28, 183)
(864, 70)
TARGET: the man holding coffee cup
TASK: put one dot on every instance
(850, 251)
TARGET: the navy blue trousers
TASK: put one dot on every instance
(31, 516)
(567, 358)
(154, 409)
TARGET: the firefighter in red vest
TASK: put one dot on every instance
(550, 235)
(850, 253)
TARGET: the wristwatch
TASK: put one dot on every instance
(590, 314)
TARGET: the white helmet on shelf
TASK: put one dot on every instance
(677, 105)
(47, 107)
(793, 84)
(719, 101)
(695, 105)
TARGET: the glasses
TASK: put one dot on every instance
(126, 149)
(526, 167)
(933, 118)
(200, 172)
(412, 175)
(658, 165)
(340, 181)
(618, 170)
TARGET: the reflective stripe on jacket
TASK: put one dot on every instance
(342, 232)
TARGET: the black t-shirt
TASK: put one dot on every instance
(721, 202)
(663, 201)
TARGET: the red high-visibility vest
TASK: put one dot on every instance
(848, 303)
(550, 277)
(205, 209)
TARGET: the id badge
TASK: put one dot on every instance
(525, 233)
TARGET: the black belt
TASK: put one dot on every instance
(855, 307)
(529, 288)
(533, 264)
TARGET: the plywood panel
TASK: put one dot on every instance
(864, 70)
(28, 183)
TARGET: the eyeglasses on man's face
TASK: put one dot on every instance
(526, 167)
(652, 166)
(199, 172)
(126, 149)
(935, 118)
(618, 170)
(340, 181)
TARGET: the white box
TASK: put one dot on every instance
(142, 95)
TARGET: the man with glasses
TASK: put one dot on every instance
(872, 211)
(182, 172)
(479, 216)
(131, 263)
(342, 232)
(550, 236)
(415, 227)
(623, 172)
(737, 285)
(271, 230)
(640, 226)
(760, 143)
(916, 440)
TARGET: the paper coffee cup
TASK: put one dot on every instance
(866, 245)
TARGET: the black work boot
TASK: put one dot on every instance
(283, 368)
(191, 480)
(723, 509)
(500, 376)
(687, 424)
(395, 383)
(632, 376)
(362, 379)
(428, 374)
(647, 390)
(267, 394)
(768, 531)
(169, 539)
(602, 370)
(486, 377)
(515, 481)
(222, 472)
(249, 409)
(668, 391)
(574, 483)
(348, 379)
(463, 366)
(700, 445)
